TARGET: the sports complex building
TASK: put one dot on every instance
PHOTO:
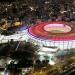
(53, 37)
(57, 34)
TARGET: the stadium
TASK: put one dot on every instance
(54, 34)
(55, 39)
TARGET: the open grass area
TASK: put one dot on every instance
(57, 31)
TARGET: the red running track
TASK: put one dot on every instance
(39, 32)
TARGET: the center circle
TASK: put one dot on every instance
(57, 28)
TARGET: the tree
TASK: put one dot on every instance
(25, 52)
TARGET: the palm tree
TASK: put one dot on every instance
(25, 54)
